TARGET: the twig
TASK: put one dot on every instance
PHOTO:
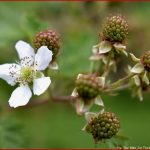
(37, 102)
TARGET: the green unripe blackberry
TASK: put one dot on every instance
(88, 86)
(145, 60)
(50, 39)
(105, 126)
(115, 29)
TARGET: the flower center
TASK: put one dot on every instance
(26, 74)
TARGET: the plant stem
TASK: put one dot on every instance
(122, 87)
(107, 67)
(120, 81)
(91, 67)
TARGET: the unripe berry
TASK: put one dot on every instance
(50, 39)
(145, 60)
(115, 29)
(88, 86)
(105, 126)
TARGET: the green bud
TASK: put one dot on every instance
(115, 29)
(101, 128)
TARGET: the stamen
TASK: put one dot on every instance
(27, 61)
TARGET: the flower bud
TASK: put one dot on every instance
(88, 86)
(104, 126)
(145, 60)
(115, 29)
(50, 39)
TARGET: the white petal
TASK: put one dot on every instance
(20, 96)
(95, 49)
(99, 101)
(137, 80)
(119, 46)
(135, 59)
(96, 57)
(138, 68)
(9, 72)
(89, 116)
(105, 47)
(74, 93)
(79, 75)
(43, 58)
(139, 92)
(145, 78)
(84, 128)
(82, 107)
(24, 49)
(124, 52)
(101, 81)
(53, 66)
(40, 85)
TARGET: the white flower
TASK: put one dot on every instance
(27, 71)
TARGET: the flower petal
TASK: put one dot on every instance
(135, 59)
(74, 93)
(139, 93)
(40, 85)
(9, 72)
(119, 46)
(105, 47)
(138, 68)
(99, 101)
(137, 80)
(101, 81)
(53, 66)
(84, 128)
(89, 116)
(43, 58)
(20, 96)
(124, 52)
(145, 78)
(95, 49)
(24, 49)
(82, 107)
(79, 75)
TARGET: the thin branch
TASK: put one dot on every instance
(38, 102)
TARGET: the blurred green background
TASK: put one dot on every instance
(56, 125)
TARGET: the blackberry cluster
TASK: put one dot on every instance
(88, 86)
(145, 60)
(104, 126)
(50, 39)
(115, 29)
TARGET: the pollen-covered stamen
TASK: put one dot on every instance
(26, 75)
(13, 71)
(27, 61)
